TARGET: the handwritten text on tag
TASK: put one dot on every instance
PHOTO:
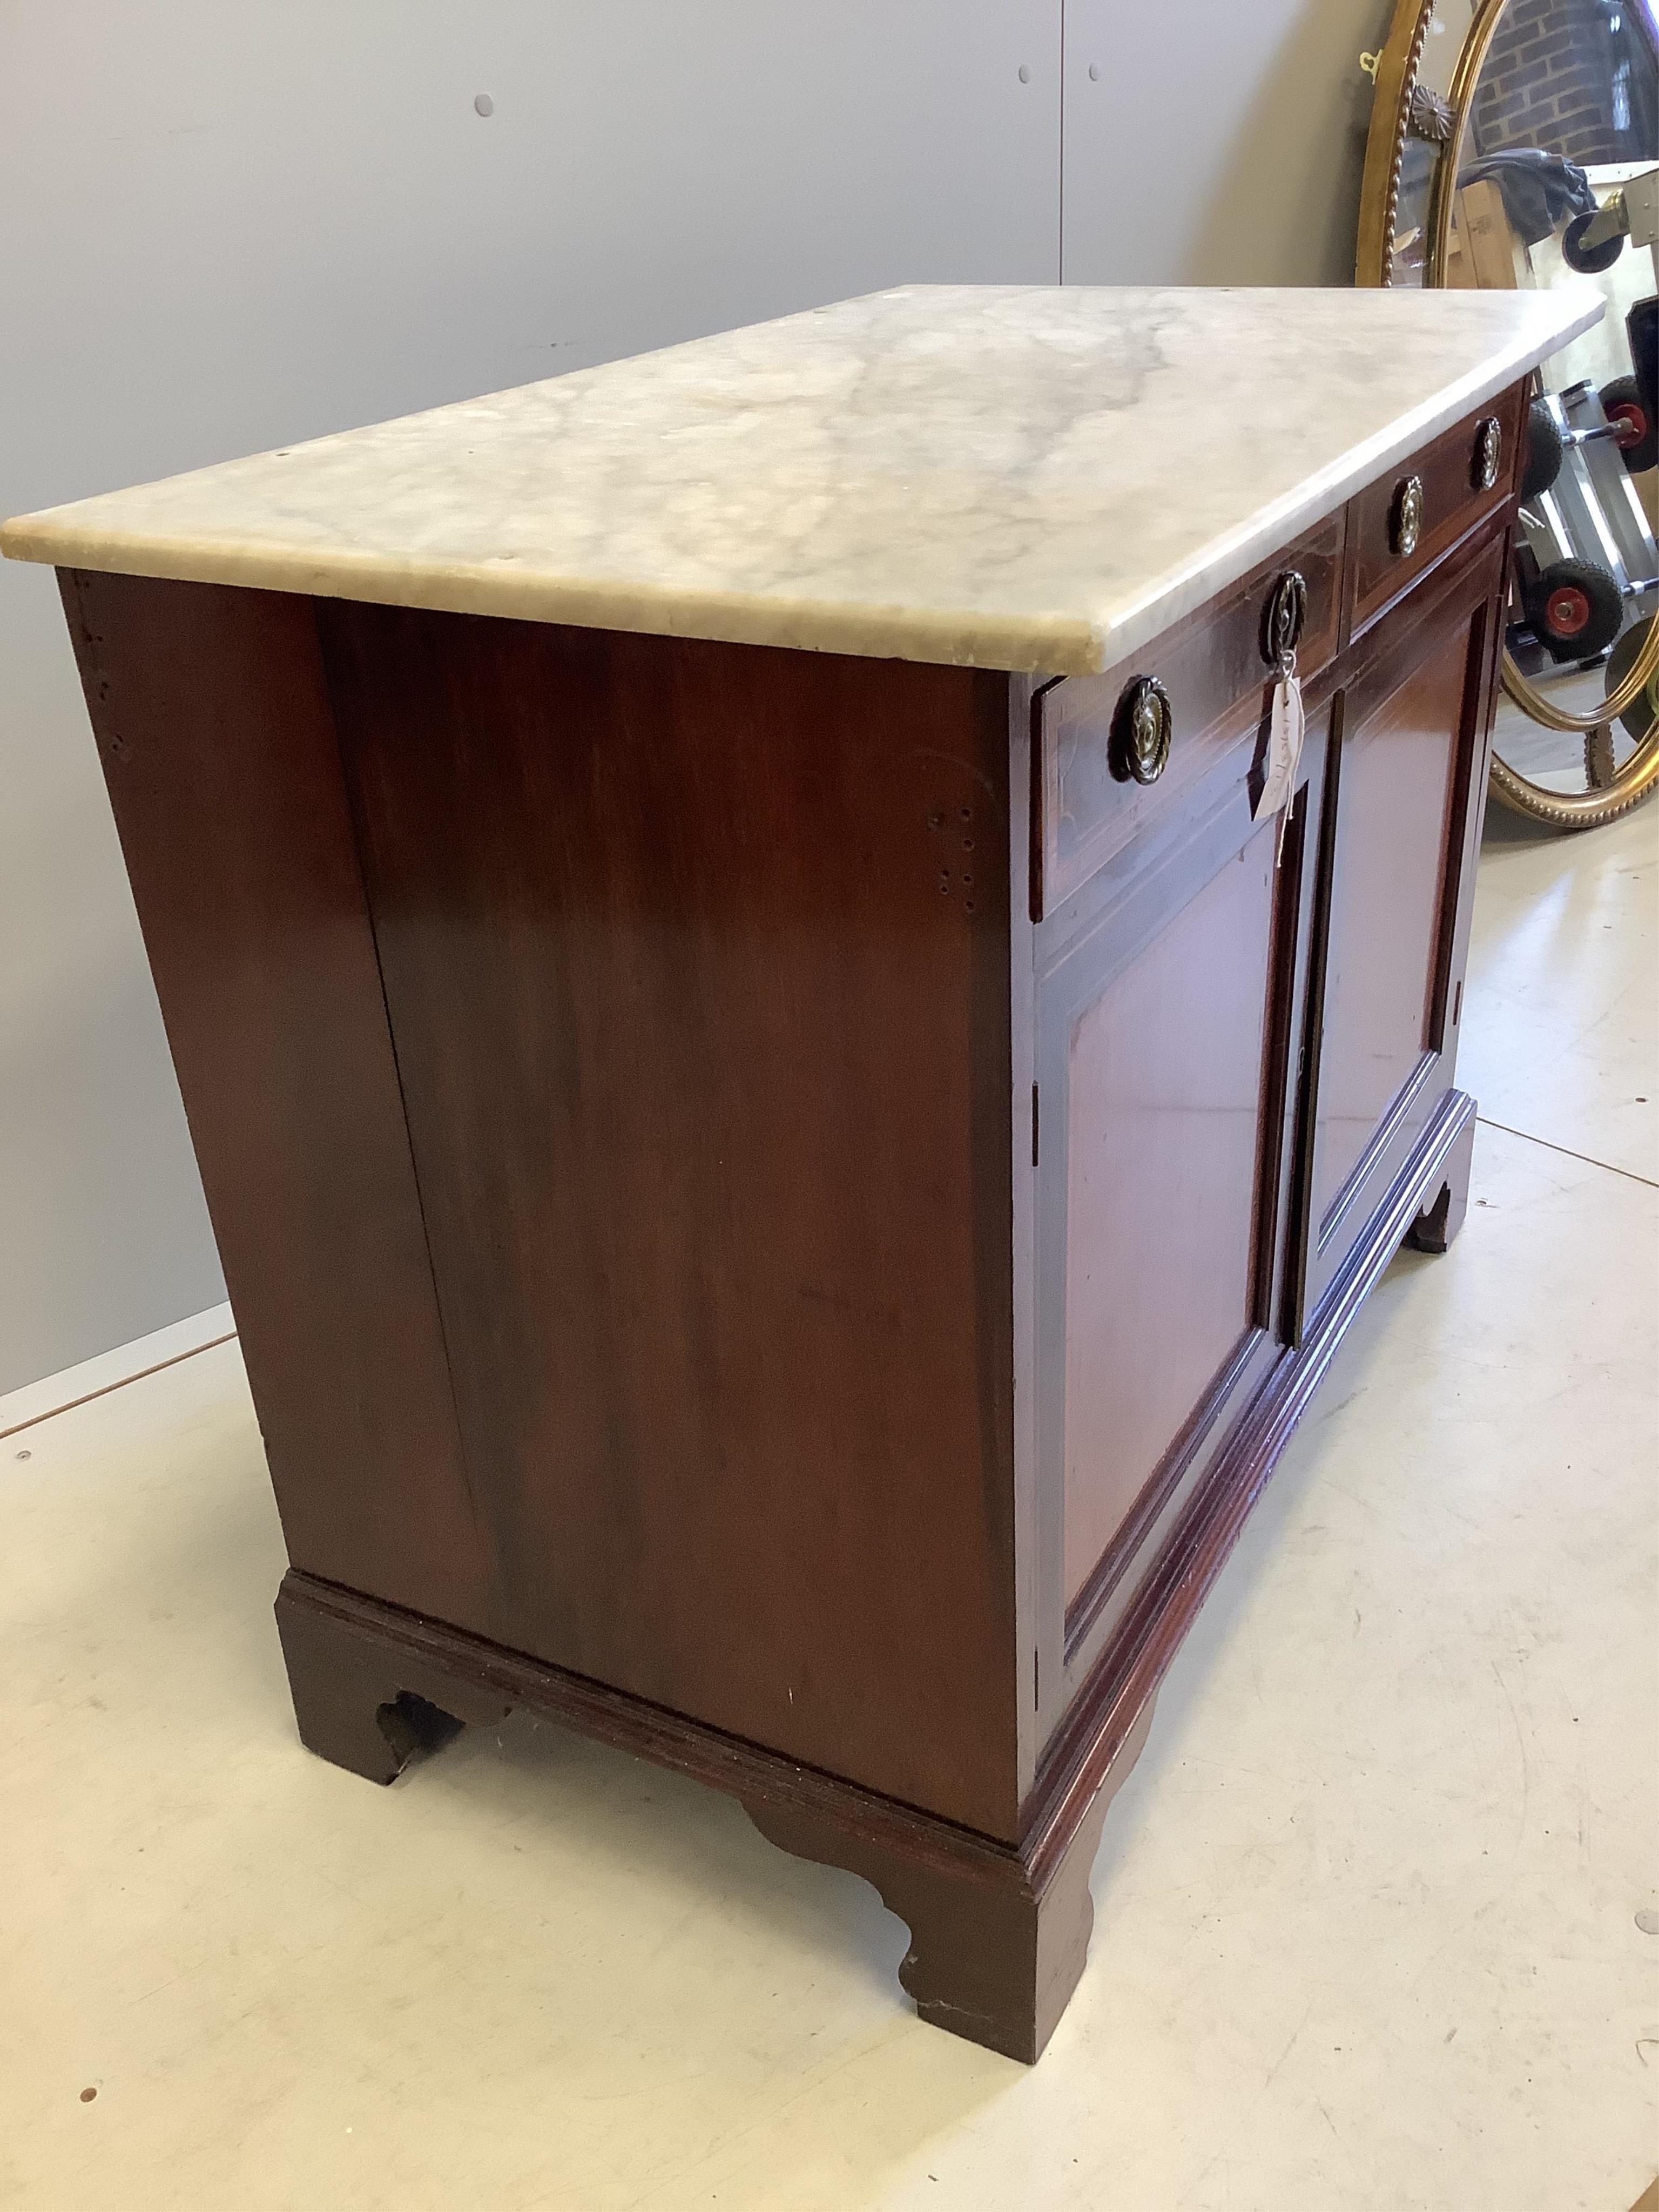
(1283, 752)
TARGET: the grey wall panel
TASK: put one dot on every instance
(1219, 143)
(229, 227)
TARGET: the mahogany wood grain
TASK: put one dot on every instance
(997, 1943)
(779, 1214)
(217, 745)
(1454, 503)
(1213, 668)
(1406, 812)
(1097, 1608)
(696, 955)
(1438, 1223)
(1164, 1086)
(1000, 1932)
(1138, 891)
(1130, 1668)
(1391, 844)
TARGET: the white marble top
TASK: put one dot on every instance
(1009, 476)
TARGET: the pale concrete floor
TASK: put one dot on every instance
(1367, 1930)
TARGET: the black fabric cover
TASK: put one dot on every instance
(1540, 190)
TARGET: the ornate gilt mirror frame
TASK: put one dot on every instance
(1405, 109)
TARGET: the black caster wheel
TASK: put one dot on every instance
(1588, 260)
(1630, 411)
(1575, 608)
(1540, 458)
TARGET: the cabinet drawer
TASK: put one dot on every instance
(1451, 496)
(1215, 668)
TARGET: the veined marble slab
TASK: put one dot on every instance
(1021, 478)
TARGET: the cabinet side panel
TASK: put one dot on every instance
(697, 961)
(217, 747)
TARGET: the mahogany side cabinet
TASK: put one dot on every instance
(780, 1206)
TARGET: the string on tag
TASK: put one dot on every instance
(1287, 731)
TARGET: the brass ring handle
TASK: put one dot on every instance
(1141, 729)
(1284, 617)
(1405, 521)
(1488, 453)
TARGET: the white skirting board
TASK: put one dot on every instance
(55, 1393)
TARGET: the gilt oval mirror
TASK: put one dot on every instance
(1516, 142)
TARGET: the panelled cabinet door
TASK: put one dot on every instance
(1162, 1042)
(1392, 865)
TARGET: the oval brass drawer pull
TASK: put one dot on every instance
(1141, 729)
(1285, 617)
(1406, 525)
(1488, 453)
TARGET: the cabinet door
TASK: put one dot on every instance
(1162, 1041)
(1395, 839)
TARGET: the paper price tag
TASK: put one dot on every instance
(1285, 736)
